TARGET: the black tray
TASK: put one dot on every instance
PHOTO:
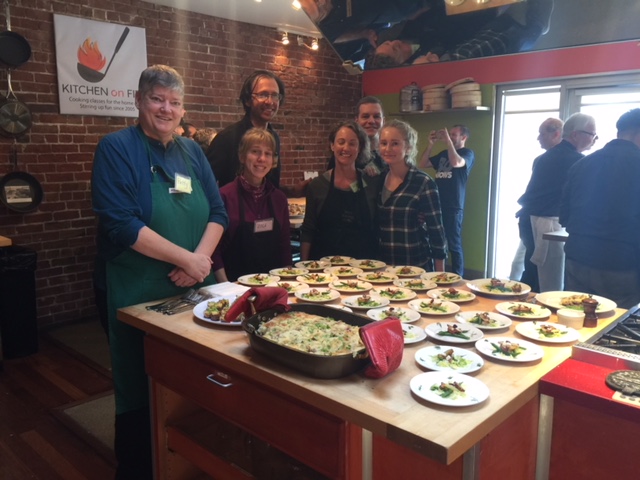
(318, 366)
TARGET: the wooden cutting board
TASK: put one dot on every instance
(5, 242)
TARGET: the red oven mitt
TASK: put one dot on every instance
(384, 341)
(258, 299)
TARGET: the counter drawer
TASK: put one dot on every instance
(307, 434)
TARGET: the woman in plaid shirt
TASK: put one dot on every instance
(410, 218)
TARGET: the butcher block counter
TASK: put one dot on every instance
(381, 428)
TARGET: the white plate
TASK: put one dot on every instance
(251, 280)
(350, 286)
(470, 331)
(482, 285)
(462, 296)
(415, 284)
(341, 307)
(538, 312)
(441, 278)
(395, 294)
(449, 307)
(553, 300)
(199, 309)
(337, 260)
(406, 315)
(498, 321)
(531, 352)
(367, 264)
(291, 286)
(313, 265)
(376, 301)
(316, 278)
(377, 277)
(326, 295)
(405, 271)
(428, 358)
(475, 391)
(532, 330)
(343, 271)
(288, 272)
(413, 333)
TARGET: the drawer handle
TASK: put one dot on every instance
(212, 378)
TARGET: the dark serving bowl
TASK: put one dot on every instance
(319, 366)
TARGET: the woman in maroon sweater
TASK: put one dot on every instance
(257, 238)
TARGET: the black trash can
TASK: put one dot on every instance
(18, 317)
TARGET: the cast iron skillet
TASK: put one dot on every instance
(14, 48)
(20, 191)
(15, 117)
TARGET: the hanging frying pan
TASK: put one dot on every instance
(20, 191)
(15, 117)
(14, 48)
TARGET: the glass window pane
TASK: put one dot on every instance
(534, 102)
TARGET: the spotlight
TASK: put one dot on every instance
(296, 5)
(285, 38)
(314, 44)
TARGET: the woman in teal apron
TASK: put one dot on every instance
(160, 219)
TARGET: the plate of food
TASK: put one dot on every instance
(337, 260)
(415, 284)
(289, 285)
(404, 271)
(288, 272)
(449, 389)
(496, 286)
(343, 271)
(405, 315)
(313, 265)
(317, 295)
(257, 279)
(315, 278)
(365, 301)
(524, 310)
(413, 333)
(573, 300)
(367, 264)
(395, 294)
(446, 358)
(547, 332)
(434, 306)
(214, 309)
(509, 349)
(452, 332)
(452, 295)
(441, 278)
(296, 210)
(350, 286)
(377, 277)
(484, 320)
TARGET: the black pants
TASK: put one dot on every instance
(530, 274)
(133, 445)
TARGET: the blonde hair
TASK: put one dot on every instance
(410, 137)
(252, 137)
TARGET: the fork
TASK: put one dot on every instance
(158, 307)
(187, 303)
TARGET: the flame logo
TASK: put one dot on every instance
(90, 56)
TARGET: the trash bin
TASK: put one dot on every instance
(18, 317)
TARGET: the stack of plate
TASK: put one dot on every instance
(434, 98)
(465, 93)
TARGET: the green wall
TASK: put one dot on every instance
(480, 123)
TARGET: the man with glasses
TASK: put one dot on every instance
(541, 203)
(262, 93)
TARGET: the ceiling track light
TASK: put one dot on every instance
(314, 43)
(296, 5)
(285, 38)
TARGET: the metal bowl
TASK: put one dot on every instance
(318, 366)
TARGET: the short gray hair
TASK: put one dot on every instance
(577, 121)
(160, 75)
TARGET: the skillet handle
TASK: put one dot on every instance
(6, 15)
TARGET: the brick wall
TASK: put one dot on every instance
(214, 56)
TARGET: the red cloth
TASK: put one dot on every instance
(266, 299)
(384, 341)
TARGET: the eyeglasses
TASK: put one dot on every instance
(264, 96)
(592, 135)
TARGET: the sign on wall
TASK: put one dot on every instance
(99, 65)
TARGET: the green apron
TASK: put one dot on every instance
(134, 278)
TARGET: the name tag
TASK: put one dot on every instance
(183, 183)
(265, 225)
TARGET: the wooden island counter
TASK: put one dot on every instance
(352, 427)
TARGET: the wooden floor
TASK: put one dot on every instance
(33, 443)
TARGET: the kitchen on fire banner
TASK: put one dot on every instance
(99, 65)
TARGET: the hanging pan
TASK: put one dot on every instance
(15, 117)
(20, 191)
(14, 48)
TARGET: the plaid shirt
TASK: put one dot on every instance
(404, 240)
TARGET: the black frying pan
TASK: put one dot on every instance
(15, 117)
(14, 48)
(20, 191)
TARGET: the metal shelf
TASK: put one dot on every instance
(448, 110)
